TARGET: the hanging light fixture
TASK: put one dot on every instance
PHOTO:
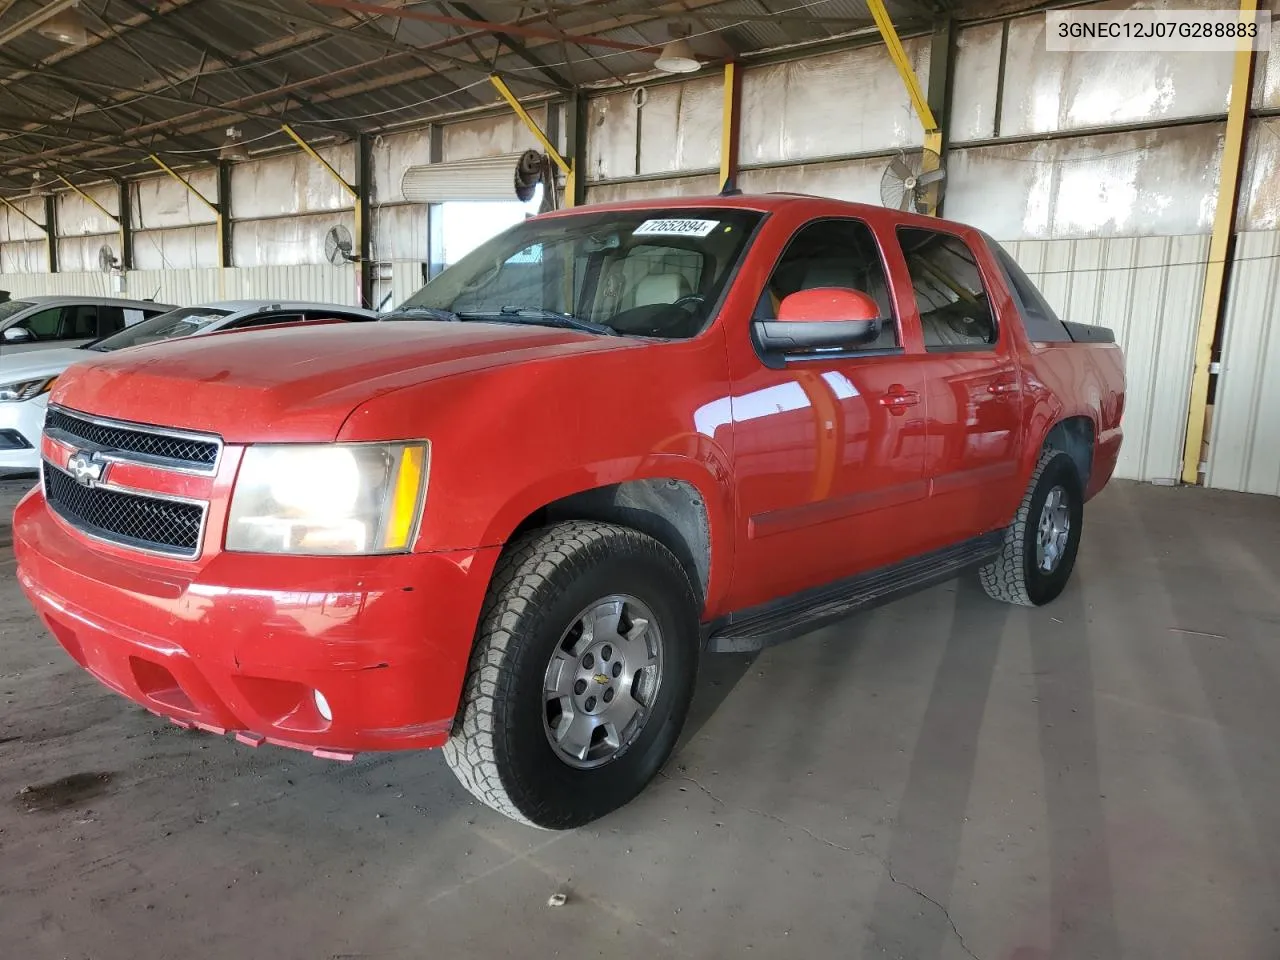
(678, 57)
(232, 148)
(65, 26)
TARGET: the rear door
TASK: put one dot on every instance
(828, 447)
(973, 386)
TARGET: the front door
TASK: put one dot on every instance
(974, 389)
(828, 447)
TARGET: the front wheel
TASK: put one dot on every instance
(581, 675)
(1039, 549)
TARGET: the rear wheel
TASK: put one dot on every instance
(581, 675)
(1039, 549)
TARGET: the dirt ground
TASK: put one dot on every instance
(945, 777)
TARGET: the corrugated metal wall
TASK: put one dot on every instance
(1148, 291)
(1244, 438)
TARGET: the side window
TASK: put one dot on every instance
(110, 320)
(1038, 317)
(148, 314)
(955, 313)
(833, 253)
(43, 325)
(79, 322)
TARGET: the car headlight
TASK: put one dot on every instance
(331, 498)
(25, 389)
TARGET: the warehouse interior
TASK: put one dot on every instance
(937, 779)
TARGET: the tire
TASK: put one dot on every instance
(1016, 575)
(503, 746)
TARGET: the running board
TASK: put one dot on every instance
(780, 620)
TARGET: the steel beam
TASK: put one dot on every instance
(932, 132)
(505, 92)
(730, 125)
(1220, 243)
(126, 225)
(51, 230)
(364, 220)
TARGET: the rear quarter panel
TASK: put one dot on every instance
(1068, 379)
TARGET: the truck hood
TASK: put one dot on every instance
(40, 363)
(301, 383)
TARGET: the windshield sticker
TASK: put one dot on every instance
(676, 228)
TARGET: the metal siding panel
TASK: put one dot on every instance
(1154, 183)
(491, 136)
(163, 202)
(20, 257)
(825, 106)
(1259, 207)
(973, 86)
(14, 227)
(77, 216)
(680, 126)
(176, 248)
(287, 241)
(55, 284)
(80, 254)
(1047, 91)
(854, 180)
(647, 189)
(1148, 291)
(611, 136)
(400, 232)
(1244, 439)
(321, 283)
(185, 288)
(292, 183)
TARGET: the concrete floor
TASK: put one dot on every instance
(943, 778)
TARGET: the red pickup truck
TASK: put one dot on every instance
(608, 441)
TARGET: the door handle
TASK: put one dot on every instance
(1004, 387)
(897, 398)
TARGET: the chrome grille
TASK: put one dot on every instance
(147, 444)
(130, 519)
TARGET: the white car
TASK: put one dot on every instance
(30, 324)
(25, 379)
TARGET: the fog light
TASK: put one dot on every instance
(323, 706)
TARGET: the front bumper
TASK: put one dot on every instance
(241, 642)
(22, 420)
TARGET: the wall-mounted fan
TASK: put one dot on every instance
(913, 182)
(107, 259)
(535, 168)
(338, 246)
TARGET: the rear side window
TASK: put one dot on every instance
(955, 311)
(110, 320)
(80, 322)
(1038, 317)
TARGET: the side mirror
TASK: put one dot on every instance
(17, 334)
(830, 318)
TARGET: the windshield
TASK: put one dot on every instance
(10, 307)
(168, 326)
(650, 273)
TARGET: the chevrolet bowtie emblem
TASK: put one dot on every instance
(85, 470)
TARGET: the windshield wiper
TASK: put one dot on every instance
(542, 317)
(430, 313)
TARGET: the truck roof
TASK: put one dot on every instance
(764, 203)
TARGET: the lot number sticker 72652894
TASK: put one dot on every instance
(676, 228)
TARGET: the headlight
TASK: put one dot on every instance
(25, 389)
(331, 498)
